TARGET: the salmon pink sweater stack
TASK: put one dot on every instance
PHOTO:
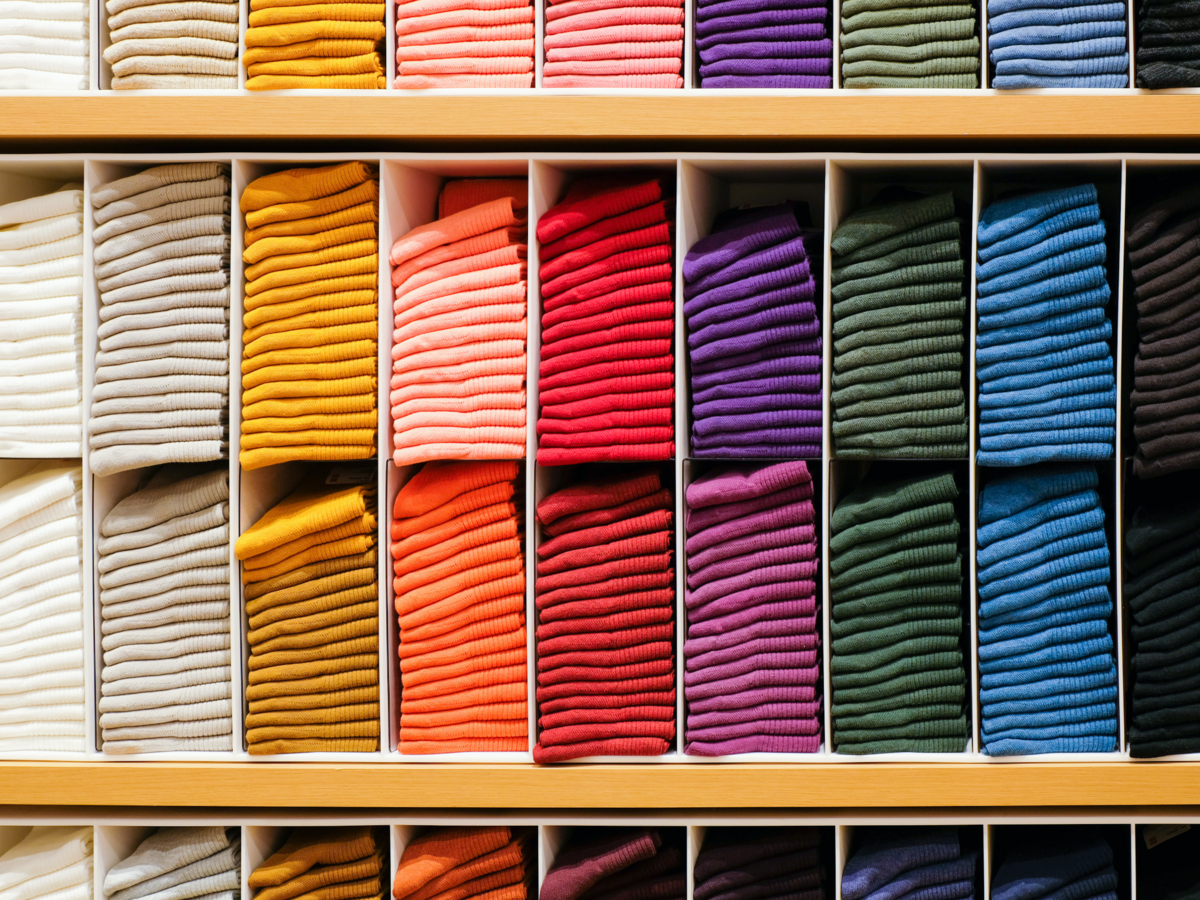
(614, 43)
(607, 372)
(464, 44)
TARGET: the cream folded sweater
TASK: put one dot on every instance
(43, 852)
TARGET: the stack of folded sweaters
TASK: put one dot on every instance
(613, 43)
(754, 337)
(743, 44)
(464, 44)
(1055, 861)
(460, 599)
(309, 357)
(1168, 51)
(347, 863)
(162, 272)
(1047, 675)
(1057, 44)
(180, 863)
(1166, 371)
(899, 311)
(42, 704)
(308, 566)
(169, 45)
(331, 45)
(607, 375)
(41, 299)
(50, 862)
(605, 638)
(458, 370)
(893, 861)
(44, 45)
(618, 864)
(738, 862)
(164, 599)
(489, 862)
(1042, 355)
(901, 44)
(753, 648)
(895, 564)
(1162, 582)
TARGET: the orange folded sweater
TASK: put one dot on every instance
(439, 483)
(460, 194)
(436, 853)
(499, 213)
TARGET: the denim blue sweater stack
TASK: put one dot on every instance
(1057, 44)
(907, 861)
(1042, 355)
(1048, 682)
(1056, 862)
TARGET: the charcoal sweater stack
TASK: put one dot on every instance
(746, 863)
(1168, 49)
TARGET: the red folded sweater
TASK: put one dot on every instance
(608, 588)
(655, 330)
(608, 701)
(598, 554)
(655, 520)
(637, 258)
(637, 638)
(610, 353)
(573, 456)
(573, 214)
(608, 403)
(613, 318)
(655, 417)
(633, 387)
(635, 295)
(607, 284)
(662, 211)
(656, 605)
(615, 747)
(581, 623)
(618, 368)
(618, 685)
(598, 495)
(606, 515)
(600, 662)
(620, 242)
(613, 440)
(575, 734)
(663, 712)
(648, 669)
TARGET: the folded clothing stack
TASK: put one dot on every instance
(310, 345)
(1048, 682)
(1043, 359)
(753, 647)
(464, 44)
(180, 863)
(162, 271)
(899, 314)
(617, 864)
(44, 45)
(156, 45)
(42, 705)
(1162, 582)
(332, 45)
(1166, 371)
(163, 565)
(893, 861)
(613, 43)
(346, 863)
(312, 598)
(895, 575)
(607, 376)
(901, 44)
(41, 312)
(744, 44)
(754, 337)
(460, 598)
(50, 861)
(735, 863)
(1168, 51)
(458, 361)
(606, 631)
(489, 862)
(1055, 861)
(1057, 44)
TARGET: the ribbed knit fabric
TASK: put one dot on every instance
(606, 376)
(1048, 679)
(469, 43)
(752, 612)
(337, 862)
(748, 862)
(461, 863)
(312, 599)
(746, 46)
(606, 619)
(1042, 288)
(615, 863)
(909, 45)
(45, 46)
(899, 311)
(892, 861)
(49, 861)
(1064, 44)
(460, 601)
(1168, 55)
(1055, 861)
(179, 863)
(613, 44)
(182, 46)
(322, 45)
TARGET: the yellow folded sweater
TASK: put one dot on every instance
(317, 12)
(350, 546)
(360, 438)
(361, 265)
(312, 337)
(308, 423)
(320, 256)
(312, 506)
(308, 305)
(367, 64)
(306, 243)
(321, 700)
(348, 368)
(308, 847)
(320, 677)
(363, 524)
(295, 356)
(311, 406)
(345, 567)
(302, 184)
(361, 282)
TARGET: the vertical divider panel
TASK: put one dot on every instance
(988, 860)
(258, 842)
(237, 311)
(550, 839)
(112, 844)
(1130, 40)
(243, 24)
(383, 453)
(91, 593)
(97, 14)
(1133, 856)
(842, 836)
(695, 840)
(533, 335)
(682, 441)
(984, 72)
(539, 52)
(389, 47)
(1119, 464)
(836, 33)
(691, 75)
(972, 448)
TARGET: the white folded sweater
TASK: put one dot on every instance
(45, 850)
(165, 851)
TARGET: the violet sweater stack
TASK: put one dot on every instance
(614, 44)
(745, 44)
(895, 861)
(464, 44)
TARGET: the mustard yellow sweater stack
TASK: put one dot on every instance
(307, 44)
(324, 864)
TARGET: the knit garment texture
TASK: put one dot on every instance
(1057, 861)
(926, 860)
(751, 671)
(1048, 681)
(754, 335)
(750, 862)
(461, 322)
(782, 45)
(1042, 288)
(311, 329)
(905, 44)
(162, 274)
(464, 44)
(495, 862)
(50, 862)
(342, 862)
(896, 580)
(41, 381)
(613, 44)
(178, 864)
(335, 45)
(1060, 44)
(598, 862)
(899, 320)
(606, 378)
(163, 569)
(310, 582)
(41, 611)
(1168, 49)
(184, 46)
(457, 540)
(605, 636)
(44, 46)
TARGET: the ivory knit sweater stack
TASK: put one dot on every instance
(333, 44)
(742, 863)
(44, 45)
(176, 45)
(899, 44)
(607, 375)
(162, 273)
(741, 44)
(42, 703)
(605, 638)
(613, 43)
(752, 649)
(41, 298)
(895, 574)
(164, 599)
(346, 863)
(50, 862)
(309, 357)
(618, 864)
(464, 44)
(460, 598)
(312, 598)
(1057, 44)
(178, 864)
(458, 361)
(490, 863)
(894, 861)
